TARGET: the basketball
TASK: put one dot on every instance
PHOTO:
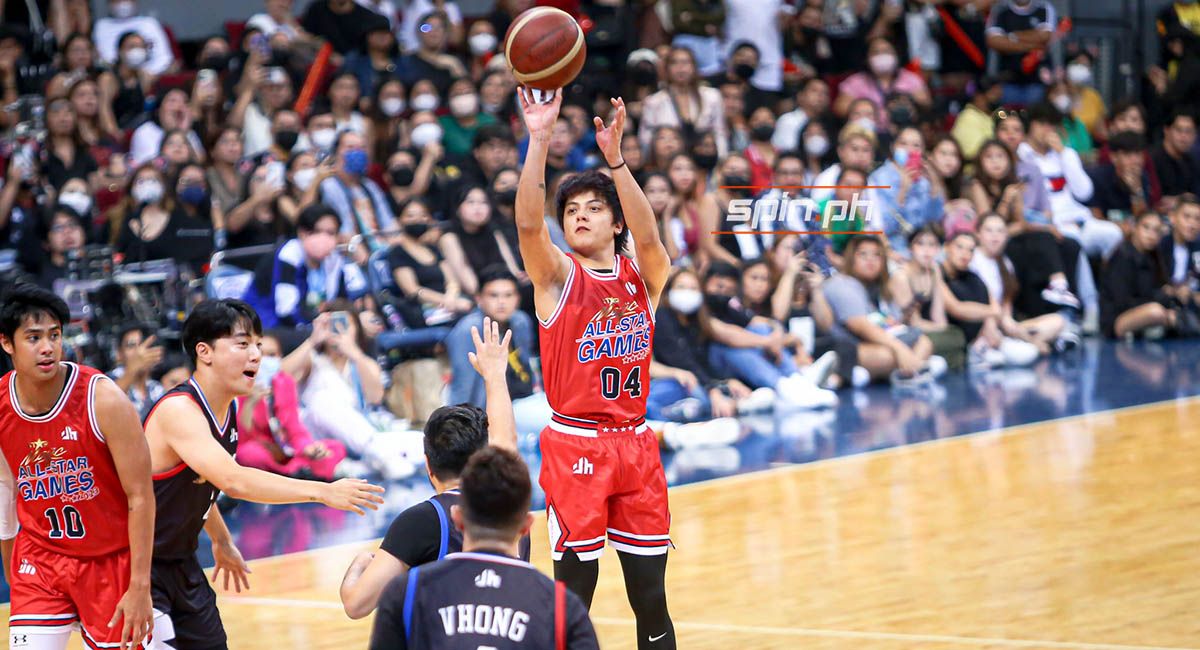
(545, 49)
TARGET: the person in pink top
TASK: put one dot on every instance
(273, 438)
(883, 78)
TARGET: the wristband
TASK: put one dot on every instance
(617, 167)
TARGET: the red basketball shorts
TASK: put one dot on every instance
(604, 484)
(53, 594)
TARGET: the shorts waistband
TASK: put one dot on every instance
(592, 429)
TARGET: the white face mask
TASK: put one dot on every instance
(866, 123)
(148, 191)
(464, 105)
(425, 102)
(482, 43)
(392, 106)
(123, 9)
(685, 301)
(268, 367)
(884, 63)
(136, 57)
(323, 138)
(78, 201)
(426, 133)
(1079, 74)
(816, 145)
(303, 178)
(1062, 103)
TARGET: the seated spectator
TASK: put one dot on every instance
(341, 390)
(973, 125)
(1010, 131)
(916, 193)
(65, 155)
(379, 56)
(189, 190)
(345, 92)
(946, 160)
(684, 103)
(1122, 185)
(272, 436)
(499, 299)
(742, 65)
(1068, 184)
(258, 220)
(855, 148)
(361, 205)
(278, 22)
(1015, 28)
(996, 271)
(760, 152)
(683, 386)
(917, 289)
(1074, 132)
(688, 208)
(172, 114)
(1136, 296)
(754, 349)
(665, 144)
(158, 56)
(175, 151)
(262, 93)
(1087, 106)
(127, 86)
(430, 61)
(137, 353)
(416, 14)
(387, 104)
(428, 285)
(97, 126)
(812, 104)
(465, 118)
(883, 78)
(1174, 160)
(864, 316)
(226, 176)
(64, 238)
(174, 370)
(1182, 246)
(77, 60)
(155, 228)
(208, 105)
(341, 23)
(473, 242)
(308, 271)
(410, 174)
(814, 151)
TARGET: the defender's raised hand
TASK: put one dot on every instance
(539, 117)
(491, 351)
(608, 138)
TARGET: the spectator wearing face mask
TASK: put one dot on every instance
(408, 179)
(760, 22)
(482, 43)
(1086, 103)
(387, 105)
(129, 84)
(125, 17)
(760, 152)
(308, 271)
(812, 103)
(361, 205)
(883, 78)
(684, 103)
(1075, 133)
(465, 118)
(741, 66)
(319, 133)
(155, 227)
(915, 193)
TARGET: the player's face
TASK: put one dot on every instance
(36, 346)
(588, 224)
(235, 360)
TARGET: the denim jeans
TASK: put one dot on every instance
(665, 392)
(750, 365)
(1023, 94)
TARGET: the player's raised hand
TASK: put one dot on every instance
(229, 560)
(608, 138)
(539, 117)
(352, 494)
(490, 357)
(135, 614)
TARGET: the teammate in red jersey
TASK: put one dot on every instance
(601, 469)
(76, 477)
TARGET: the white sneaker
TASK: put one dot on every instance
(860, 377)
(937, 365)
(798, 392)
(820, 369)
(1060, 296)
(761, 400)
(1018, 353)
(713, 433)
(994, 358)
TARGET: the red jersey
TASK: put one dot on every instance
(596, 345)
(69, 496)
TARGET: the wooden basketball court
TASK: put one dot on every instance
(1076, 533)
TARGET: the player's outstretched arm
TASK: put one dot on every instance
(490, 360)
(189, 437)
(365, 579)
(122, 431)
(652, 256)
(546, 265)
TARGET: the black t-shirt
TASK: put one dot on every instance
(1006, 19)
(428, 275)
(1111, 193)
(183, 239)
(972, 23)
(344, 31)
(416, 535)
(968, 287)
(57, 172)
(679, 345)
(1176, 175)
(729, 310)
(482, 247)
(413, 68)
(478, 600)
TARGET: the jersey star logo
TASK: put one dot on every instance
(40, 452)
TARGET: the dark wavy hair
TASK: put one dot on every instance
(600, 185)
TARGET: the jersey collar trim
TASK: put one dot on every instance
(208, 409)
(611, 275)
(489, 557)
(68, 385)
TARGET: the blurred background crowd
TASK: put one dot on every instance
(350, 168)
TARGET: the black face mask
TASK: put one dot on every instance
(744, 71)
(762, 132)
(286, 139)
(216, 62)
(900, 115)
(706, 161)
(645, 75)
(506, 197)
(736, 179)
(402, 176)
(416, 230)
(717, 302)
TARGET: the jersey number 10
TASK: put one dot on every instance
(611, 385)
(72, 519)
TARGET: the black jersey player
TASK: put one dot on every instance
(484, 596)
(192, 433)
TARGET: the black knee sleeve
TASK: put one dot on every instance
(645, 584)
(579, 576)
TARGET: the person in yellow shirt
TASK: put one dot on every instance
(974, 126)
(1087, 105)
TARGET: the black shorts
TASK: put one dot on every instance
(180, 590)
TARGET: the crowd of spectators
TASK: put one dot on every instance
(371, 148)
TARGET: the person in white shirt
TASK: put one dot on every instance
(173, 113)
(1068, 184)
(856, 148)
(759, 22)
(409, 36)
(812, 101)
(277, 21)
(125, 18)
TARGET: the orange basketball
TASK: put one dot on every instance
(544, 47)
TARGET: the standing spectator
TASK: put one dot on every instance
(158, 57)
(759, 22)
(973, 126)
(137, 353)
(1174, 161)
(341, 23)
(308, 271)
(378, 58)
(684, 104)
(416, 17)
(916, 192)
(430, 61)
(1067, 182)
(1136, 293)
(1123, 185)
(883, 79)
(698, 28)
(812, 103)
(1016, 28)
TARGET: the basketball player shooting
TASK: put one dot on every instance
(601, 469)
